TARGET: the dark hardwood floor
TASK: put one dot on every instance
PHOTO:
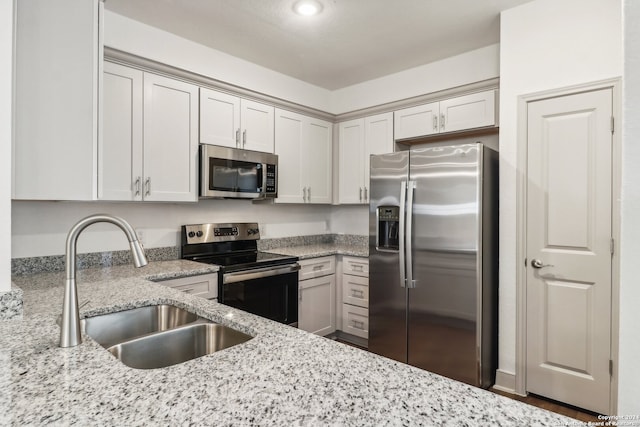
(553, 406)
(538, 401)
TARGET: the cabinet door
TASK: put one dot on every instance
(120, 144)
(289, 139)
(469, 111)
(378, 139)
(351, 161)
(57, 77)
(416, 121)
(355, 320)
(318, 161)
(257, 126)
(170, 139)
(204, 285)
(316, 305)
(219, 118)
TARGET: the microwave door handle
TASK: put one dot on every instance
(263, 193)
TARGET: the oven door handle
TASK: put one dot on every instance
(258, 273)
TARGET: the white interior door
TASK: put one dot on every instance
(569, 249)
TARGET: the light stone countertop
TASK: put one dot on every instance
(324, 249)
(281, 377)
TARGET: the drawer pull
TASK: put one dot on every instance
(357, 293)
(188, 290)
(358, 324)
(317, 267)
(357, 267)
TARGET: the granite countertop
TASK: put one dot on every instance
(323, 249)
(283, 376)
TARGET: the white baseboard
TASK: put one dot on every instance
(505, 381)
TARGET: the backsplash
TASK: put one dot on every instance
(44, 264)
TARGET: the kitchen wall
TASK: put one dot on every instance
(6, 66)
(470, 67)
(40, 228)
(545, 44)
(629, 368)
(148, 42)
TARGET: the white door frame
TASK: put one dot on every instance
(521, 218)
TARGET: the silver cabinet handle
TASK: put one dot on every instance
(238, 138)
(147, 186)
(308, 194)
(304, 194)
(358, 324)
(244, 138)
(357, 293)
(137, 185)
(360, 193)
(366, 194)
(536, 263)
(442, 121)
(435, 122)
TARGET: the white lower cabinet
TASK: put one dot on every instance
(355, 296)
(204, 285)
(317, 296)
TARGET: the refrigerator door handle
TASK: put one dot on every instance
(403, 202)
(411, 185)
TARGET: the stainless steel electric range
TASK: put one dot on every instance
(261, 283)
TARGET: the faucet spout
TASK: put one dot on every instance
(70, 335)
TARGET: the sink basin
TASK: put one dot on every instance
(113, 328)
(157, 336)
(177, 345)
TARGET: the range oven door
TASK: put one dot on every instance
(270, 292)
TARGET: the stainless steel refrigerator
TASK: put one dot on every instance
(433, 260)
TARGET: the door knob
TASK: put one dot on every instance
(536, 263)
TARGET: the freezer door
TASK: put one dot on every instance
(387, 294)
(442, 307)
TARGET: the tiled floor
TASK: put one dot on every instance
(540, 402)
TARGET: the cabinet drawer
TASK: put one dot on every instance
(205, 285)
(355, 320)
(316, 267)
(355, 290)
(355, 266)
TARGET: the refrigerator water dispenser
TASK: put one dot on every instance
(388, 228)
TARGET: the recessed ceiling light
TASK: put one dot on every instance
(307, 7)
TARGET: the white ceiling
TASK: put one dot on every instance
(351, 41)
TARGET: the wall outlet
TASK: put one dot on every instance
(141, 236)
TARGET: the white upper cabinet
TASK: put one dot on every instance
(149, 146)
(230, 121)
(58, 61)
(219, 118)
(421, 120)
(471, 111)
(170, 157)
(120, 145)
(304, 148)
(358, 139)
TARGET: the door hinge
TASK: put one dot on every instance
(613, 124)
(613, 246)
(610, 367)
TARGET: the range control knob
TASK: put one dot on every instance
(199, 233)
(191, 234)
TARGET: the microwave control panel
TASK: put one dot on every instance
(271, 179)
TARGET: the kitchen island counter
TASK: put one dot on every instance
(283, 376)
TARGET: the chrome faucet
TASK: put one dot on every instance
(70, 325)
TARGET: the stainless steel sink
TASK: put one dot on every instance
(176, 346)
(159, 335)
(113, 328)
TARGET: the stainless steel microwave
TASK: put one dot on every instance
(233, 173)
